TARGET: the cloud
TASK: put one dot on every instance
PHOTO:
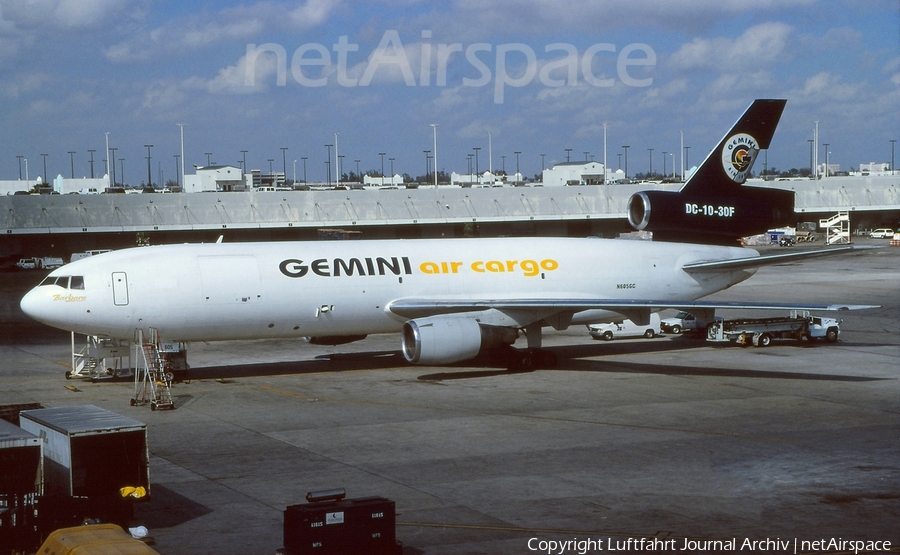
(233, 24)
(61, 14)
(536, 16)
(759, 46)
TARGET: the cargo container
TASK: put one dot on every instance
(96, 464)
(364, 526)
(21, 482)
(96, 539)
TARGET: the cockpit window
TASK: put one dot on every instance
(66, 282)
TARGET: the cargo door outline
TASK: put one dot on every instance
(120, 288)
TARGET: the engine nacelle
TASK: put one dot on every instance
(675, 216)
(447, 339)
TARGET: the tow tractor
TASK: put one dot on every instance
(761, 331)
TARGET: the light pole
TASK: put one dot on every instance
(382, 167)
(19, 157)
(208, 154)
(426, 152)
(435, 126)
(149, 172)
(664, 163)
(542, 162)
(92, 151)
(328, 166)
(358, 177)
(392, 171)
(284, 161)
(304, 158)
(107, 157)
(568, 153)
(112, 160)
(650, 173)
(892, 155)
(517, 153)
(181, 125)
(294, 178)
(72, 162)
(625, 148)
(337, 162)
(477, 177)
(177, 181)
(826, 158)
(44, 156)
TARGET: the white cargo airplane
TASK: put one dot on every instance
(450, 298)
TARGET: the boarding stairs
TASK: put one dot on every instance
(152, 377)
(99, 358)
(837, 228)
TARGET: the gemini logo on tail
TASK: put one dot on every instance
(738, 156)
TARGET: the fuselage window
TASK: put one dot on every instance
(63, 281)
(77, 282)
(49, 280)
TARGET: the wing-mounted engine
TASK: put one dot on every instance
(447, 339)
(713, 206)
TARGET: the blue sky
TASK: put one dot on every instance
(539, 76)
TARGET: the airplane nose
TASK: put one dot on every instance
(31, 304)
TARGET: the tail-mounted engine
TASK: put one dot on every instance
(675, 216)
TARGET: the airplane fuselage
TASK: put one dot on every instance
(225, 291)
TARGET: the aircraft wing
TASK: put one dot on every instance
(419, 308)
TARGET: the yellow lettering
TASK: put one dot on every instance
(478, 266)
(511, 265)
(444, 268)
(455, 266)
(530, 267)
(549, 264)
(429, 268)
(494, 266)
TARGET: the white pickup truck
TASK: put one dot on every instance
(679, 323)
(626, 328)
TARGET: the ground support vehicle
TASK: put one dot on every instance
(761, 331)
(626, 328)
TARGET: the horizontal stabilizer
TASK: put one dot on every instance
(767, 260)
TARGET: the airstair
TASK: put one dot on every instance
(152, 376)
(837, 228)
(99, 358)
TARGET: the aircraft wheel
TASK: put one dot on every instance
(548, 359)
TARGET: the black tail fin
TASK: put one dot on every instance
(712, 206)
(729, 164)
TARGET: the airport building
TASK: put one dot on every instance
(579, 173)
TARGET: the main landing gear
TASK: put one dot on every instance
(525, 360)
